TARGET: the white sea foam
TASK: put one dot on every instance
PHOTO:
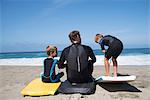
(122, 60)
(127, 60)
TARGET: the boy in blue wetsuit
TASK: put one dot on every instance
(115, 48)
(49, 75)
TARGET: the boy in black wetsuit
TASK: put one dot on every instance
(115, 47)
(49, 75)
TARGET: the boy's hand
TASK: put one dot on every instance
(103, 51)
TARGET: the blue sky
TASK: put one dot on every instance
(30, 25)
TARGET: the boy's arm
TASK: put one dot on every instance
(102, 45)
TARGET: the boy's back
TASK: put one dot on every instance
(47, 67)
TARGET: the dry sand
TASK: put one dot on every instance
(14, 78)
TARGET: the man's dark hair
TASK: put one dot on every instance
(75, 36)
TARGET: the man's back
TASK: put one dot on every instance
(78, 67)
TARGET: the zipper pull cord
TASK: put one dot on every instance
(78, 59)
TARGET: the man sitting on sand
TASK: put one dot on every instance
(78, 67)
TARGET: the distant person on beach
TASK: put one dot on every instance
(115, 48)
(79, 67)
(49, 75)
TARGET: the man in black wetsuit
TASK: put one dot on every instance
(115, 47)
(78, 66)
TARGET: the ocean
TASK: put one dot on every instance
(134, 56)
(126, 52)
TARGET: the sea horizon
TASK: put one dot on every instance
(61, 50)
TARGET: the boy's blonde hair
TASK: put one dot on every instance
(51, 49)
(98, 37)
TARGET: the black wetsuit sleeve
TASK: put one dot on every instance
(62, 59)
(91, 55)
(106, 41)
(102, 45)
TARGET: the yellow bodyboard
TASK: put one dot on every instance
(38, 88)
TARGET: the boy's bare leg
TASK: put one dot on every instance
(115, 65)
(106, 66)
(115, 71)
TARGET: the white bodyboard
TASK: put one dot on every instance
(109, 79)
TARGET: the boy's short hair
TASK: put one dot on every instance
(75, 36)
(97, 37)
(51, 49)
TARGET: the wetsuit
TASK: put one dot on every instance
(78, 68)
(115, 46)
(48, 62)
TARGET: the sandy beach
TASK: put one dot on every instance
(15, 78)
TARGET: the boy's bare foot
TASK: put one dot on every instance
(115, 75)
(107, 75)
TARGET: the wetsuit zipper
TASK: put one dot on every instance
(78, 60)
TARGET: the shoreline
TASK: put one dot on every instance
(141, 60)
(15, 78)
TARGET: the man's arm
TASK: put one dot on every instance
(91, 54)
(62, 60)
